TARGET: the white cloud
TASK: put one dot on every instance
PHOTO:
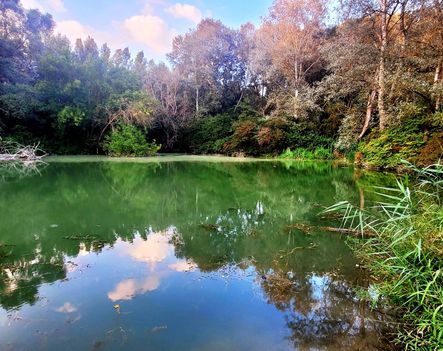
(56, 5)
(185, 11)
(73, 29)
(32, 4)
(142, 31)
(151, 31)
(45, 5)
(183, 266)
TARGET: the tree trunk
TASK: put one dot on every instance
(404, 28)
(369, 108)
(437, 80)
(196, 101)
(296, 92)
(381, 67)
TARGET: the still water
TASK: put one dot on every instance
(180, 253)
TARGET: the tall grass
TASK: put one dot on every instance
(406, 254)
(319, 153)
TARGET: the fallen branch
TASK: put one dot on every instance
(307, 229)
(354, 232)
(21, 153)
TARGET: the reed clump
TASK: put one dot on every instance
(406, 254)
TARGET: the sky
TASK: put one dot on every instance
(148, 25)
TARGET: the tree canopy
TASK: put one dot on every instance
(296, 81)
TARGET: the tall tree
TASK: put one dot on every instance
(291, 35)
(208, 57)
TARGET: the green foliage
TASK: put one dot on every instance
(128, 140)
(347, 134)
(245, 133)
(208, 135)
(319, 153)
(395, 144)
(307, 138)
(406, 254)
(69, 114)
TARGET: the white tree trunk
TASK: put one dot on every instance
(381, 66)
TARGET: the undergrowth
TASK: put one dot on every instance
(318, 153)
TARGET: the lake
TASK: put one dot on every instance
(181, 253)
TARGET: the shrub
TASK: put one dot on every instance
(309, 139)
(271, 136)
(348, 133)
(244, 138)
(207, 135)
(128, 140)
(321, 153)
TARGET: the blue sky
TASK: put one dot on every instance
(147, 25)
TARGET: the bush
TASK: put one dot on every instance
(321, 153)
(244, 138)
(297, 137)
(208, 135)
(128, 140)
(271, 136)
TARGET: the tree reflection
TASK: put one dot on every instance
(216, 216)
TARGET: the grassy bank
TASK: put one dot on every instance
(406, 255)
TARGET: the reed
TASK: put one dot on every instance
(406, 254)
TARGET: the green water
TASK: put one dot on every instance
(179, 253)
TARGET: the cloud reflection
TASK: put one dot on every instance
(128, 288)
(183, 266)
(158, 253)
(67, 308)
(155, 249)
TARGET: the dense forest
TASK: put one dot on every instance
(298, 86)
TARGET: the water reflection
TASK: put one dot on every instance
(128, 288)
(209, 241)
(67, 308)
(153, 250)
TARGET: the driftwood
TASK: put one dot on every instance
(21, 154)
(307, 229)
(354, 232)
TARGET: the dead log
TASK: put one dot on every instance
(348, 231)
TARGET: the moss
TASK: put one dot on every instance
(432, 151)
(404, 142)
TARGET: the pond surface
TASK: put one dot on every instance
(180, 253)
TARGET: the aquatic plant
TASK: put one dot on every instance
(406, 254)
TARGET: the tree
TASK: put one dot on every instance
(21, 41)
(291, 36)
(208, 58)
(169, 90)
